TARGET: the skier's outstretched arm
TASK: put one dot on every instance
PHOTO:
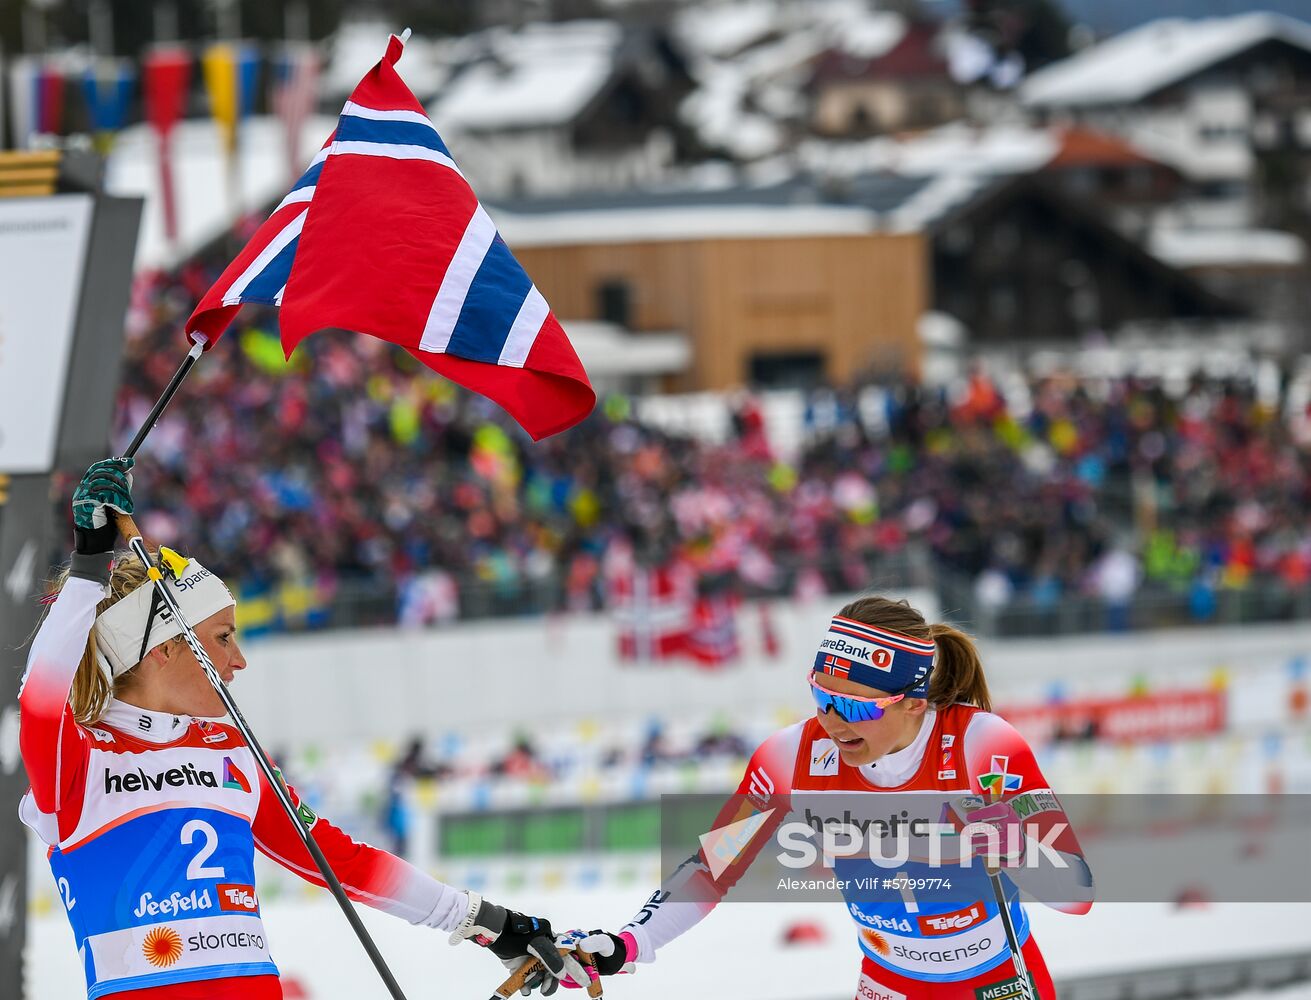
(391, 884)
(688, 895)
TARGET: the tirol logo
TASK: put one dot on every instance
(162, 947)
(1005, 990)
(240, 898)
(950, 923)
(183, 774)
(232, 776)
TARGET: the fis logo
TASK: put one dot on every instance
(238, 898)
(823, 758)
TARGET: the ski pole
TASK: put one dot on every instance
(1008, 925)
(128, 529)
(170, 390)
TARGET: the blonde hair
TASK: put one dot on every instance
(957, 675)
(91, 688)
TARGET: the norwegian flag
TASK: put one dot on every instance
(652, 608)
(712, 639)
(836, 665)
(382, 235)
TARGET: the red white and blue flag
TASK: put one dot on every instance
(836, 666)
(383, 235)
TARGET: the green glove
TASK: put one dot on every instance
(106, 486)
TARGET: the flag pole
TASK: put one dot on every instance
(128, 529)
(170, 390)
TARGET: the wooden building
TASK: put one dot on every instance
(808, 281)
(759, 310)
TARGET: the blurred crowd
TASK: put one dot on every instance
(353, 471)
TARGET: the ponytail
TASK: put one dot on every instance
(958, 675)
(958, 671)
(92, 689)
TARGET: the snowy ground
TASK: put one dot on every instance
(737, 952)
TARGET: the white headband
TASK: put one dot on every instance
(121, 628)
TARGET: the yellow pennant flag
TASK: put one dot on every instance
(223, 86)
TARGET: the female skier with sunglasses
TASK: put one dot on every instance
(902, 712)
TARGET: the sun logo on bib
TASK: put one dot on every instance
(877, 942)
(162, 947)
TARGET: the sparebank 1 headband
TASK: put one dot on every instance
(876, 657)
(133, 626)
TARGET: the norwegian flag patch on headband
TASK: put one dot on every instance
(866, 654)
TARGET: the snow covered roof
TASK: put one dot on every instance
(200, 179)
(633, 225)
(540, 75)
(954, 148)
(751, 60)
(1228, 247)
(723, 30)
(897, 184)
(1131, 66)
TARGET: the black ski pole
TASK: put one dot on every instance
(128, 529)
(170, 390)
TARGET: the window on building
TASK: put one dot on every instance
(614, 302)
(787, 370)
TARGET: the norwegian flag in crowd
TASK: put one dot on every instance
(383, 235)
(712, 639)
(652, 608)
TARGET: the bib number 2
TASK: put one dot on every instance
(198, 869)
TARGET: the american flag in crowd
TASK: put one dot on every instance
(383, 235)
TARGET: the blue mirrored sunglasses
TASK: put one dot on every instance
(849, 707)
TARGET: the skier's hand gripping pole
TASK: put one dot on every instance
(132, 535)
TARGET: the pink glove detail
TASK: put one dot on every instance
(1002, 844)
